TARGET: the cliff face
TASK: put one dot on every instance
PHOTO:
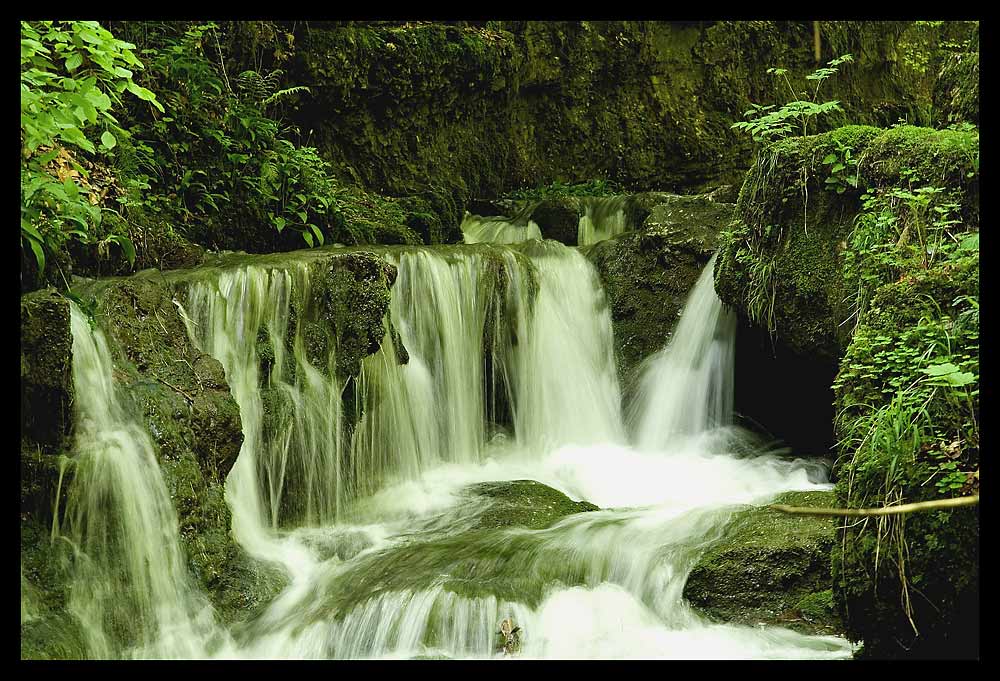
(474, 110)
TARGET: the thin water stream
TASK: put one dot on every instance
(509, 376)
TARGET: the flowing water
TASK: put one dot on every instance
(391, 546)
(601, 218)
(130, 590)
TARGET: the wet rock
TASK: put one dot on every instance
(647, 274)
(524, 503)
(46, 368)
(558, 218)
(770, 568)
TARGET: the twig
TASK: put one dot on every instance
(169, 385)
(886, 510)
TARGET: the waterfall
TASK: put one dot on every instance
(496, 364)
(687, 387)
(129, 583)
(498, 229)
(290, 464)
(603, 218)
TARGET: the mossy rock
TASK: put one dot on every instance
(558, 219)
(524, 503)
(770, 568)
(499, 552)
(46, 368)
(648, 274)
(791, 251)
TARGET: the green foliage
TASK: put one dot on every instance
(73, 76)
(225, 155)
(843, 168)
(765, 123)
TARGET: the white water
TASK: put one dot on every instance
(601, 218)
(130, 585)
(604, 584)
(497, 230)
(687, 387)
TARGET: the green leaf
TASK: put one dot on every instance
(73, 61)
(940, 369)
(36, 248)
(126, 245)
(108, 140)
(30, 230)
(279, 223)
(830, 158)
(308, 237)
(143, 94)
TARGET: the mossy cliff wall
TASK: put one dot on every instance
(448, 112)
(882, 280)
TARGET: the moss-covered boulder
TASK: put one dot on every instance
(495, 553)
(770, 568)
(647, 274)
(879, 272)
(350, 296)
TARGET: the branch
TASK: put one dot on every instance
(886, 510)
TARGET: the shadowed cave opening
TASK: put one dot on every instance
(784, 395)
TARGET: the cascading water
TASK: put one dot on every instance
(497, 365)
(601, 218)
(498, 229)
(130, 588)
(687, 387)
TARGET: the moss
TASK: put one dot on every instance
(767, 566)
(884, 307)
(350, 298)
(50, 633)
(46, 368)
(648, 274)
(494, 555)
(524, 503)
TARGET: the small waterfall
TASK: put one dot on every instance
(290, 464)
(603, 218)
(432, 409)
(687, 387)
(567, 386)
(130, 587)
(498, 229)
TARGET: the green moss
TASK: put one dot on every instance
(524, 503)
(496, 554)
(878, 282)
(766, 565)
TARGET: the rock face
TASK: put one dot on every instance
(46, 396)
(647, 274)
(486, 107)
(881, 283)
(771, 568)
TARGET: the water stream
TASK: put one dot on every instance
(508, 375)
